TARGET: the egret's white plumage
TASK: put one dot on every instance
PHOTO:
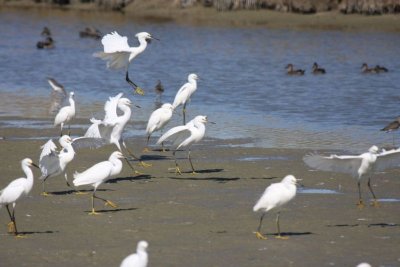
(66, 113)
(275, 196)
(53, 162)
(98, 174)
(119, 54)
(357, 166)
(183, 95)
(138, 259)
(58, 95)
(186, 135)
(15, 190)
(158, 119)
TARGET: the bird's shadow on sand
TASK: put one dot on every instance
(343, 225)
(129, 178)
(113, 210)
(27, 233)
(289, 234)
(383, 225)
(153, 157)
(264, 178)
(70, 192)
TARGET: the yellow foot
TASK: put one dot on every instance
(375, 204)
(11, 227)
(281, 237)
(146, 150)
(261, 236)
(194, 173)
(20, 236)
(360, 204)
(178, 171)
(80, 193)
(94, 213)
(144, 164)
(137, 172)
(46, 194)
(110, 203)
(139, 91)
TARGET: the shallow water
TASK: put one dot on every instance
(243, 86)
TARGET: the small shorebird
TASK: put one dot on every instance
(391, 127)
(291, 71)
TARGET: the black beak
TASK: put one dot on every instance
(34, 165)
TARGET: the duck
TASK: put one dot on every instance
(48, 43)
(366, 69)
(291, 71)
(90, 32)
(380, 69)
(317, 70)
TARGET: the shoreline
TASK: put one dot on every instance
(199, 16)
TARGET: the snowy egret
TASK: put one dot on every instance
(119, 54)
(158, 119)
(291, 71)
(186, 135)
(138, 259)
(364, 264)
(275, 196)
(317, 70)
(58, 95)
(52, 162)
(15, 190)
(394, 125)
(110, 129)
(184, 93)
(357, 166)
(98, 174)
(66, 114)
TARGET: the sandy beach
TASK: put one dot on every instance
(196, 220)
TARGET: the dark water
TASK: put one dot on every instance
(243, 86)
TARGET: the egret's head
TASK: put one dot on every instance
(142, 246)
(373, 149)
(201, 118)
(145, 36)
(65, 139)
(290, 179)
(117, 154)
(193, 76)
(72, 94)
(28, 162)
(168, 106)
(124, 102)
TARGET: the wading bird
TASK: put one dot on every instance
(119, 54)
(15, 190)
(394, 125)
(358, 166)
(98, 174)
(58, 95)
(138, 259)
(275, 196)
(66, 114)
(184, 93)
(184, 136)
(158, 119)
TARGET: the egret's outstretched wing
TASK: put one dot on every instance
(117, 60)
(96, 173)
(96, 135)
(58, 95)
(334, 163)
(387, 160)
(48, 148)
(49, 165)
(178, 132)
(113, 42)
(93, 131)
(110, 109)
(88, 142)
(182, 95)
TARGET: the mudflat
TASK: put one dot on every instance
(202, 219)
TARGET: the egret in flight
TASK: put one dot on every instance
(138, 259)
(358, 166)
(158, 119)
(119, 54)
(183, 95)
(66, 114)
(98, 174)
(15, 190)
(184, 136)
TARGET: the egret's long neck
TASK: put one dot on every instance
(29, 176)
(68, 154)
(142, 44)
(126, 114)
(117, 166)
(72, 102)
(193, 82)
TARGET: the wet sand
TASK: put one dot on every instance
(196, 220)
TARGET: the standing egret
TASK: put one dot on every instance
(138, 259)
(15, 190)
(119, 54)
(192, 132)
(52, 162)
(275, 196)
(66, 114)
(98, 174)
(58, 95)
(111, 127)
(158, 119)
(184, 93)
(357, 166)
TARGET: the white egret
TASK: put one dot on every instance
(119, 54)
(192, 132)
(184, 93)
(15, 190)
(66, 114)
(357, 166)
(138, 259)
(158, 119)
(58, 95)
(110, 129)
(52, 162)
(275, 196)
(98, 174)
